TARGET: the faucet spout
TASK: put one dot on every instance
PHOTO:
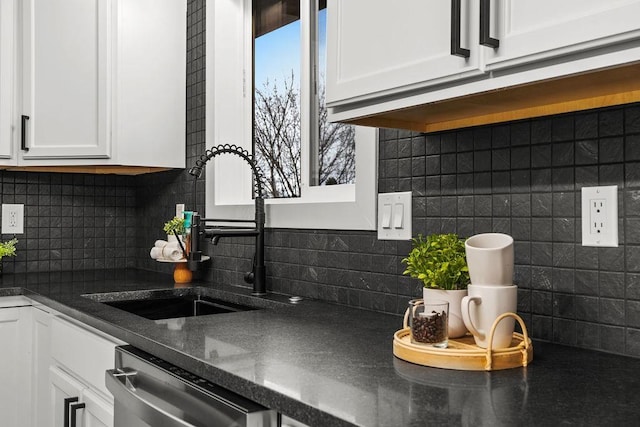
(217, 233)
(198, 227)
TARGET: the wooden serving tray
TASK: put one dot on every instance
(464, 354)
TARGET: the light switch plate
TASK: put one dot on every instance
(394, 216)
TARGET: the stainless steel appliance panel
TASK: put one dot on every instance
(151, 392)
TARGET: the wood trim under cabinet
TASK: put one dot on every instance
(96, 170)
(604, 88)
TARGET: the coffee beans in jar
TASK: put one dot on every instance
(430, 327)
(428, 322)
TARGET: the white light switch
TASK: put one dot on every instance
(386, 216)
(394, 216)
(398, 215)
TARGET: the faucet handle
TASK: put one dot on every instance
(249, 277)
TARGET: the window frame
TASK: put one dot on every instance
(229, 120)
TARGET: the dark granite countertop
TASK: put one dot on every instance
(327, 365)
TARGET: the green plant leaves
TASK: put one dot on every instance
(176, 224)
(439, 261)
(8, 248)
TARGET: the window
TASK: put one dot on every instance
(299, 151)
(277, 78)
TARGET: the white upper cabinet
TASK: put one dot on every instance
(102, 83)
(6, 77)
(377, 47)
(533, 31)
(391, 64)
(66, 59)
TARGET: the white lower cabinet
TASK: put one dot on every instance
(15, 373)
(46, 358)
(41, 361)
(79, 358)
(75, 404)
(64, 390)
(98, 412)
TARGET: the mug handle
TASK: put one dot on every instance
(466, 316)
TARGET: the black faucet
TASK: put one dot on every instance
(257, 275)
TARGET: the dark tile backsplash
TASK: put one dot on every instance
(521, 178)
(72, 221)
(524, 178)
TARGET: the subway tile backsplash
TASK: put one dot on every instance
(522, 178)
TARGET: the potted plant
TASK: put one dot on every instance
(174, 228)
(7, 249)
(439, 261)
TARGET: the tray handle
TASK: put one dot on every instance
(525, 349)
(405, 321)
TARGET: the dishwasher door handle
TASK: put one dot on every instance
(119, 384)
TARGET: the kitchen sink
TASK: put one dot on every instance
(158, 305)
(180, 306)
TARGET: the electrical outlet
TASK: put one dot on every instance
(600, 216)
(12, 219)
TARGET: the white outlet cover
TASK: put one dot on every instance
(605, 233)
(12, 218)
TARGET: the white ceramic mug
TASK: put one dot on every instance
(490, 259)
(482, 307)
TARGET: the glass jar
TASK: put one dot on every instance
(428, 322)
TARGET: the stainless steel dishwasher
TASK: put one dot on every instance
(149, 391)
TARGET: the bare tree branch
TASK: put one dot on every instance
(277, 141)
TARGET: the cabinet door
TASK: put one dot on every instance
(7, 49)
(63, 387)
(41, 361)
(377, 47)
(537, 30)
(15, 374)
(97, 412)
(150, 83)
(66, 67)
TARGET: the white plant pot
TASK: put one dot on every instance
(173, 238)
(457, 328)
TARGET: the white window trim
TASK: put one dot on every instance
(229, 109)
